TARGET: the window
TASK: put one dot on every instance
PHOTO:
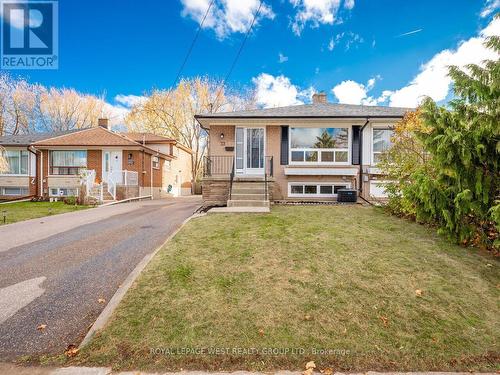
(156, 162)
(315, 190)
(319, 145)
(67, 162)
(14, 190)
(63, 192)
(18, 161)
(381, 143)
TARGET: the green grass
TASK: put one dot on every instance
(335, 279)
(20, 211)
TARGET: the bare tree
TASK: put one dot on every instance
(66, 109)
(171, 113)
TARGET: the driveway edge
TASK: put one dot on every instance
(104, 316)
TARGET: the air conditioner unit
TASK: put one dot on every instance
(347, 195)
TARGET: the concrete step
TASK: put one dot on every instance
(249, 179)
(248, 191)
(248, 185)
(250, 197)
(247, 203)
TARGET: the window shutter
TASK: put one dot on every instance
(284, 146)
(355, 144)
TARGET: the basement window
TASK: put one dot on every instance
(315, 189)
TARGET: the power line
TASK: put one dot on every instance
(238, 53)
(192, 43)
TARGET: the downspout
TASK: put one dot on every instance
(151, 169)
(29, 167)
(361, 155)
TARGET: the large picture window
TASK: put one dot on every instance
(67, 162)
(18, 161)
(319, 145)
(381, 142)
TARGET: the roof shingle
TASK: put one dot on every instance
(319, 110)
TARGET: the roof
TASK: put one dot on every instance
(148, 137)
(97, 136)
(28, 139)
(316, 110)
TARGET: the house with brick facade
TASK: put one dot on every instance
(297, 153)
(95, 163)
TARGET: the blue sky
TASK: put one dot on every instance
(354, 50)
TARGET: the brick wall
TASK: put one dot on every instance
(94, 162)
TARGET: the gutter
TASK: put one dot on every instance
(361, 155)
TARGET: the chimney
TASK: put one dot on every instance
(319, 98)
(103, 123)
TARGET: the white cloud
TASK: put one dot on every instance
(348, 38)
(317, 12)
(129, 100)
(349, 4)
(432, 80)
(490, 7)
(226, 16)
(351, 92)
(331, 45)
(282, 58)
(271, 91)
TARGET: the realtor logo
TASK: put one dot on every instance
(29, 34)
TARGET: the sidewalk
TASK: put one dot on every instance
(8, 369)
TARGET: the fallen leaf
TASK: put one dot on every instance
(385, 320)
(307, 317)
(309, 371)
(310, 365)
(261, 332)
(327, 371)
(101, 300)
(418, 292)
(71, 350)
(41, 327)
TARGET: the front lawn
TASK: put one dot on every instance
(348, 287)
(20, 211)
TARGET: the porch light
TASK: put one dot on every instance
(221, 136)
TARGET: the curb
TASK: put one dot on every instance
(104, 316)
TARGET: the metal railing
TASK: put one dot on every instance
(231, 178)
(268, 172)
(218, 165)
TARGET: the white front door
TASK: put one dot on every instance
(249, 150)
(112, 165)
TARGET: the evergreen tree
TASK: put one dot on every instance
(325, 141)
(458, 187)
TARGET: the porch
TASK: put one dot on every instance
(118, 185)
(223, 184)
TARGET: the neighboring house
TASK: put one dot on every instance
(177, 172)
(296, 153)
(111, 165)
(20, 180)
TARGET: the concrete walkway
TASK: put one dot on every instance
(8, 369)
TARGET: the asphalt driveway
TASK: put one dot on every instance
(56, 272)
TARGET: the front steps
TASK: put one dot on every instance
(248, 193)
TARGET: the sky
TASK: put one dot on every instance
(384, 52)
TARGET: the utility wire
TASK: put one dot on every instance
(192, 44)
(238, 53)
